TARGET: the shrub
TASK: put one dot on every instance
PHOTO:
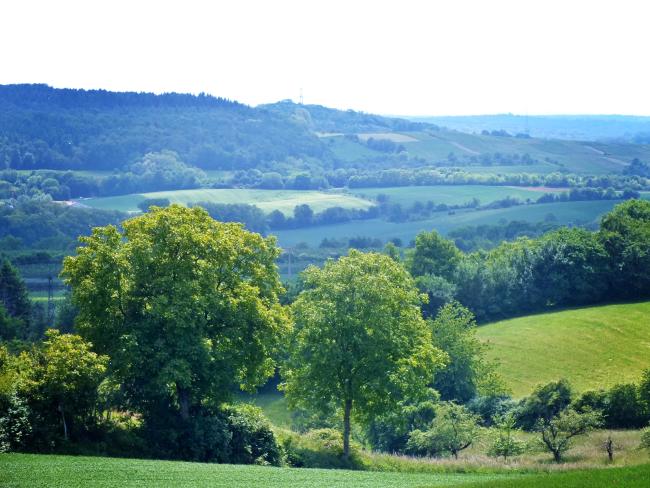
(319, 448)
(504, 441)
(453, 429)
(645, 438)
(252, 440)
(15, 427)
(546, 402)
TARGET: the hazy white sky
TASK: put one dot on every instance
(394, 57)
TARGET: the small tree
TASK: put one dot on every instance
(558, 432)
(645, 438)
(609, 447)
(361, 342)
(67, 375)
(504, 442)
(452, 430)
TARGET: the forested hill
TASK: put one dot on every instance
(44, 127)
(330, 120)
(61, 129)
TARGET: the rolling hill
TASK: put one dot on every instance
(592, 347)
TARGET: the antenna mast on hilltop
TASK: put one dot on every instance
(301, 96)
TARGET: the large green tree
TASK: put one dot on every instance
(184, 305)
(361, 342)
(625, 234)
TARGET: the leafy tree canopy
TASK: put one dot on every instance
(184, 305)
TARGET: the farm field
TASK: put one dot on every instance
(36, 471)
(449, 194)
(267, 200)
(568, 213)
(550, 154)
(594, 347)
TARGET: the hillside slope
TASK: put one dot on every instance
(592, 347)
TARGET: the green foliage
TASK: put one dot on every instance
(184, 305)
(453, 429)
(361, 342)
(645, 438)
(153, 202)
(62, 382)
(15, 426)
(544, 403)
(454, 332)
(625, 233)
(558, 431)
(390, 432)
(319, 448)
(433, 255)
(504, 442)
(252, 440)
(13, 293)
(624, 409)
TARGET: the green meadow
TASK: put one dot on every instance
(567, 213)
(450, 194)
(594, 347)
(268, 200)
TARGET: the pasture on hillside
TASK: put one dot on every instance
(566, 213)
(593, 347)
(451, 194)
(550, 155)
(268, 200)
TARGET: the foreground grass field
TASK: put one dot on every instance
(36, 471)
(267, 200)
(593, 347)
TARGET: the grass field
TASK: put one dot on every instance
(36, 471)
(267, 200)
(592, 347)
(567, 213)
(448, 194)
(39, 471)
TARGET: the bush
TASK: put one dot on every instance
(252, 440)
(624, 410)
(645, 438)
(504, 441)
(546, 402)
(15, 427)
(319, 448)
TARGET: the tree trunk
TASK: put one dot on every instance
(557, 457)
(346, 428)
(65, 425)
(184, 401)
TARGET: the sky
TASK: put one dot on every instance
(406, 57)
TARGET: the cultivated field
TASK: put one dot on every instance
(594, 347)
(36, 471)
(568, 213)
(40, 471)
(267, 200)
